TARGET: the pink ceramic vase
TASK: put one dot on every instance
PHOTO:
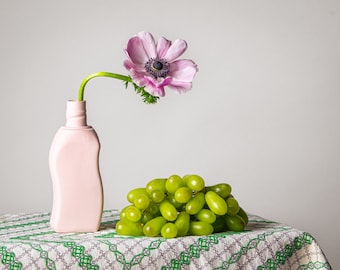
(74, 167)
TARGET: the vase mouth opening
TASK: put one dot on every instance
(75, 101)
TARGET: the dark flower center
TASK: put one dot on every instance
(157, 65)
(158, 68)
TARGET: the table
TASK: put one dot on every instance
(27, 242)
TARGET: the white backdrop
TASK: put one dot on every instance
(263, 114)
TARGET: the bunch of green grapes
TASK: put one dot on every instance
(175, 206)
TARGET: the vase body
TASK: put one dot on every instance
(74, 167)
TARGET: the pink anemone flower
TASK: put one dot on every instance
(153, 65)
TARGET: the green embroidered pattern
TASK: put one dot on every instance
(252, 244)
(194, 251)
(50, 265)
(78, 252)
(315, 265)
(21, 226)
(27, 242)
(8, 258)
(27, 217)
(137, 259)
(29, 236)
(282, 256)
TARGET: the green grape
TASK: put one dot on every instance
(234, 223)
(168, 211)
(153, 227)
(223, 189)
(146, 216)
(185, 178)
(153, 208)
(180, 206)
(183, 194)
(142, 201)
(173, 183)
(154, 184)
(132, 194)
(182, 223)
(195, 204)
(172, 200)
(206, 215)
(157, 195)
(195, 182)
(243, 215)
(219, 225)
(133, 213)
(125, 227)
(216, 203)
(233, 206)
(200, 228)
(122, 213)
(169, 230)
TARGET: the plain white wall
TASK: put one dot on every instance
(263, 114)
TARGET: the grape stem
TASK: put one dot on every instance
(124, 78)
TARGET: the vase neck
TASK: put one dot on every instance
(76, 113)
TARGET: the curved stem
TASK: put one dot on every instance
(100, 74)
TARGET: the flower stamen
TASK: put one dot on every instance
(158, 68)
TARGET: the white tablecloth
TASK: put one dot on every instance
(28, 242)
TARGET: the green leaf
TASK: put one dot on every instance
(147, 97)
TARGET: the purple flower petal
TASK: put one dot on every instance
(180, 87)
(157, 91)
(176, 49)
(154, 66)
(183, 70)
(148, 43)
(163, 46)
(138, 78)
(136, 52)
(128, 64)
(156, 86)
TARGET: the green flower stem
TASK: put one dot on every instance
(127, 79)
